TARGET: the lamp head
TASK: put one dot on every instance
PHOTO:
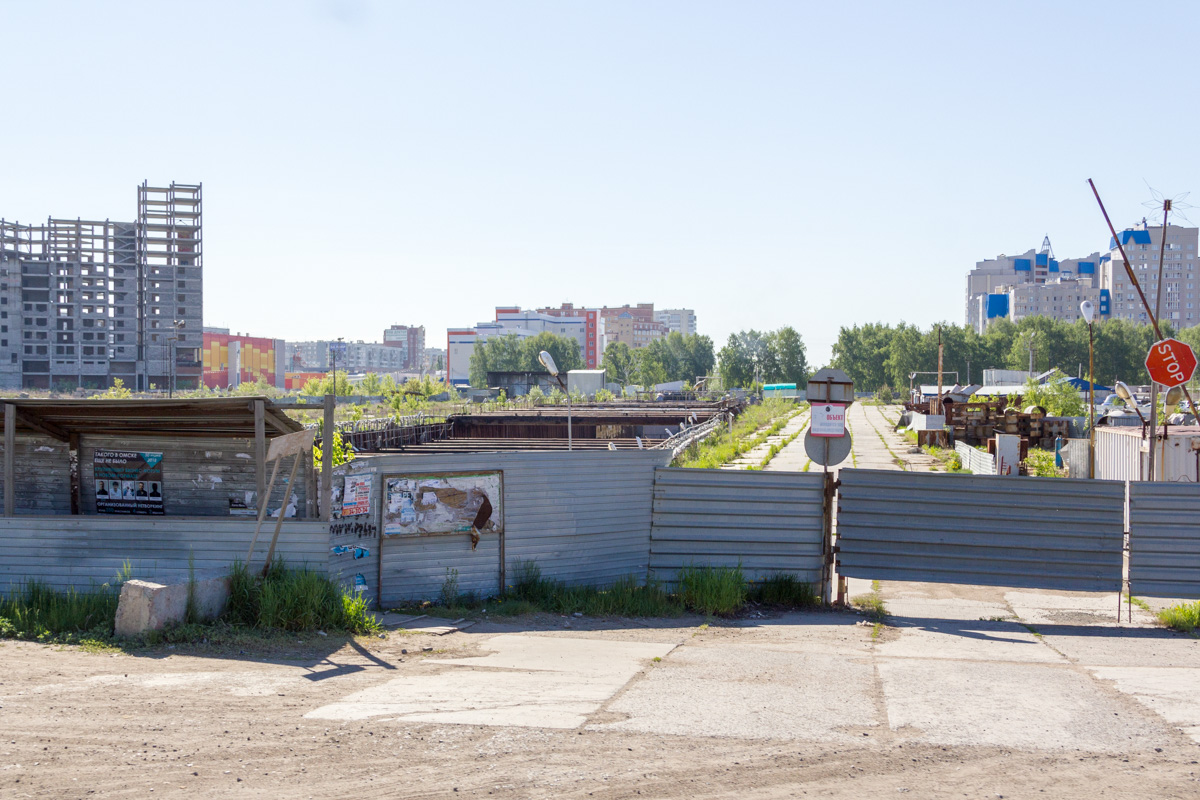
(547, 361)
(1088, 310)
(1172, 399)
(1122, 391)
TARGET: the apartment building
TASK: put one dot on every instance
(1142, 242)
(231, 359)
(1034, 283)
(358, 357)
(677, 320)
(411, 340)
(637, 332)
(84, 303)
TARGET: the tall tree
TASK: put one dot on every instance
(618, 363)
(791, 358)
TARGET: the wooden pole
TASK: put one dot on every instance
(262, 512)
(260, 447)
(326, 499)
(287, 491)
(10, 453)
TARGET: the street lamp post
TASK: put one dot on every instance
(172, 354)
(1088, 310)
(547, 361)
(333, 366)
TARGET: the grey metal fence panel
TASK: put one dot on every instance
(769, 522)
(1049, 533)
(1164, 539)
(976, 460)
(1076, 455)
(66, 551)
(583, 517)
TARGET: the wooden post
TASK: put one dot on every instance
(260, 449)
(326, 500)
(287, 494)
(310, 485)
(77, 488)
(10, 454)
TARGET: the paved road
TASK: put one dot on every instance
(875, 444)
(754, 457)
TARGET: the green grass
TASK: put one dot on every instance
(750, 430)
(712, 590)
(783, 589)
(699, 589)
(295, 600)
(38, 612)
(1184, 617)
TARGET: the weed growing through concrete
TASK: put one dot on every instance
(1184, 617)
(872, 605)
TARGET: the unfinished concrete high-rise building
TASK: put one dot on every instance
(84, 302)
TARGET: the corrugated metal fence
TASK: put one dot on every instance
(1164, 535)
(974, 459)
(1049, 533)
(81, 552)
(583, 517)
(768, 522)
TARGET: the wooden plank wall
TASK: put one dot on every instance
(200, 475)
(43, 476)
(83, 552)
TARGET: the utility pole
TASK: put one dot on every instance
(939, 394)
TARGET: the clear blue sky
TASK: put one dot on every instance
(766, 164)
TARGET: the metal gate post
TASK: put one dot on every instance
(828, 549)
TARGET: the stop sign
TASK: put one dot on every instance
(1170, 362)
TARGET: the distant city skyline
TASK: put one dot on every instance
(366, 162)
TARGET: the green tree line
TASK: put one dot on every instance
(878, 354)
(769, 357)
(675, 357)
(511, 353)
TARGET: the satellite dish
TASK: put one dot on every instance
(612, 446)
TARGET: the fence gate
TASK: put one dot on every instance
(1164, 539)
(768, 522)
(1045, 533)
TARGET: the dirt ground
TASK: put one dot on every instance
(199, 722)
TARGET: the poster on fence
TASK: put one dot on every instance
(128, 482)
(444, 503)
(356, 499)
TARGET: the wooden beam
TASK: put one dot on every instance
(326, 499)
(260, 448)
(10, 455)
(274, 422)
(42, 426)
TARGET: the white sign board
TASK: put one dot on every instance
(1008, 454)
(828, 419)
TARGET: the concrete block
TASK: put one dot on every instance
(147, 606)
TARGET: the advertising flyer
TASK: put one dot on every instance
(356, 499)
(128, 482)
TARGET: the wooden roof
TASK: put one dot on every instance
(231, 417)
